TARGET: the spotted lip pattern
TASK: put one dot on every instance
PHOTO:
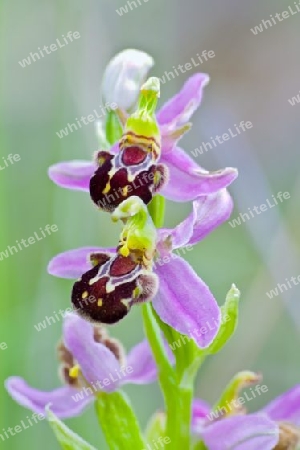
(105, 293)
(132, 171)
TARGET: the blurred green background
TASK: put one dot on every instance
(252, 78)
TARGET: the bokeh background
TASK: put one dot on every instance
(252, 78)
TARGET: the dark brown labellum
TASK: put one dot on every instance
(133, 171)
(105, 293)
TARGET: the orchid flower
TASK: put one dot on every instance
(139, 157)
(182, 299)
(90, 362)
(186, 180)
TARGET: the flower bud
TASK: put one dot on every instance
(124, 76)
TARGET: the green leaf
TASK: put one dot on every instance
(66, 437)
(156, 427)
(118, 422)
(229, 314)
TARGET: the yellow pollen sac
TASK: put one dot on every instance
(100, 302)
(74, 371)
(124, 250)
(106, 189)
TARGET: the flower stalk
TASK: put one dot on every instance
(177, 388)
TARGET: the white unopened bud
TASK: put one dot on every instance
(124, 76)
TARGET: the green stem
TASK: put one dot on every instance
(176, 383)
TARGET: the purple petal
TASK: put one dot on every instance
(180, 235)
(64, 401)
(187, 180)
(185, 303)
(286, 407)
(142, 366)
(249, 432)
(199, 415)
(179, 109)
(73, 263)
(72, 174)
(97, 363)
(208, 213)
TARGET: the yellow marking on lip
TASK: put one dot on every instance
(125, 191)
(85, 294)
(107, 188)
(101, 161)
(100, 302)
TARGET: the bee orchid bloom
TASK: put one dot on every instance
(186, 180)
(90, 362)
(183, 300)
